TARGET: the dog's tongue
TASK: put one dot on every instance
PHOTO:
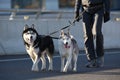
(66, 46)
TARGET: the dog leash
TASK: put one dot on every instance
(79, 17)
(70, 23)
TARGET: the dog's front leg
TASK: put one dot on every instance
(32, 56)
(62, 63)
(43, 68)
(67, 63)
(75, 56)
(35, 64)
(70, 65)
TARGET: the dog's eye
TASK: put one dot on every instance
(33, 33)
(27, 33)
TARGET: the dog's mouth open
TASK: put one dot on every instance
(66, 46)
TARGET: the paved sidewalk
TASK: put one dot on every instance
(18, 68)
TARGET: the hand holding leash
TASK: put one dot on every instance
(78, 16)
(106, 17)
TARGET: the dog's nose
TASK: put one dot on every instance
(31, 37)
(66, 43)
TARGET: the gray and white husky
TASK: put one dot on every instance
(68, 50)
(37, 46)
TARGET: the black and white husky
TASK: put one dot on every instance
(37, 46)
(68, 50)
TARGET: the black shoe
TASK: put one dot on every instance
(91, 64)
(100, 61)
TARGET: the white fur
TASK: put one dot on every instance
(34, 57)
(33, 53)
(67, 53)
(27, 37)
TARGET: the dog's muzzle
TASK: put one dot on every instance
(31, 38)
(66, 45)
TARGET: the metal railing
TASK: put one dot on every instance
(36, 12)
(45, 14)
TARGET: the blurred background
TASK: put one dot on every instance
(48, 16)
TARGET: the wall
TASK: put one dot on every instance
(11, 33)
(52, 5)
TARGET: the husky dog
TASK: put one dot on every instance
(37, 46)
(68, 50)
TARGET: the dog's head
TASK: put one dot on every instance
(65, 38)
(29, 34)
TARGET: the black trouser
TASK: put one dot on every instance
(92, 26)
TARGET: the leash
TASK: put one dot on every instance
(79, 17)
(70, 23)
(73, 22)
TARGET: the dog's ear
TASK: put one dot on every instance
(25, 27)
(33, 26)
(62, 33)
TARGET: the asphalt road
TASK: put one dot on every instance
(18, 67)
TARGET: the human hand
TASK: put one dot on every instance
(77, 17)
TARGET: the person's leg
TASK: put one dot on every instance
(88, 38)
(99, 37)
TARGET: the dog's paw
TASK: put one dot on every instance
(74, 70)
(64, 70)
(43, 69)
(50, 69)
(35, 70)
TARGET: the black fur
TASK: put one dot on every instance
(42, 42)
